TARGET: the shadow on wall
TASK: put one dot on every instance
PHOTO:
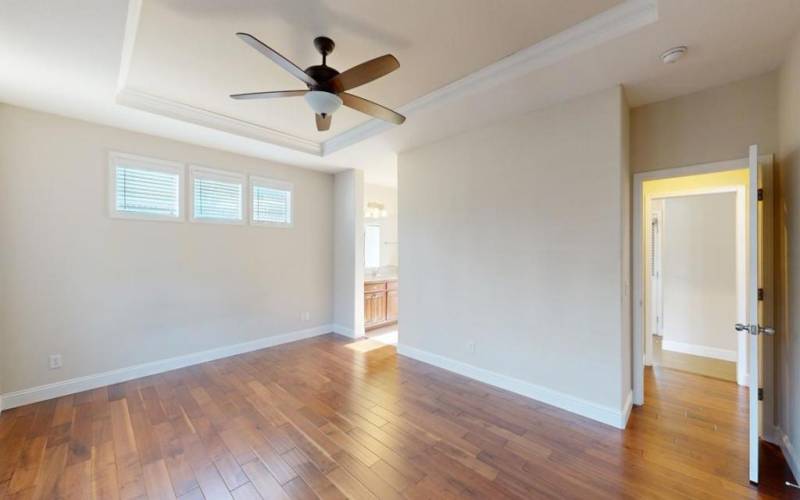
(785, 260)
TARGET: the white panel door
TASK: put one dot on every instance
(757, 258)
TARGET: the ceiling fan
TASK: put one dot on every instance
(327, 88)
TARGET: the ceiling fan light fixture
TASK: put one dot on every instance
(323, 103)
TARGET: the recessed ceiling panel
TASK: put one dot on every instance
(185, 51)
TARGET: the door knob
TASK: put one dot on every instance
(755, 329)
(766, 330)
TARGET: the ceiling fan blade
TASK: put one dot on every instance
(323, 122)
(364, 73)
(269, 95)
(371, 108)
(276, 57)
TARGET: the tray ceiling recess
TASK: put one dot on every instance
(182, 59)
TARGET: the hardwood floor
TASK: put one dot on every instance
(318, 418)
(701, 365)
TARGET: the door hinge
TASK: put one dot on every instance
(760, 294)
(760, 194)
(761, 394)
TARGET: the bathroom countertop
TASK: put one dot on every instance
(379, 279)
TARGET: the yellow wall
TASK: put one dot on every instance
(695, 182)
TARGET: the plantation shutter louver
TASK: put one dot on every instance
(271, 202)
(216, 196)
(145, 188)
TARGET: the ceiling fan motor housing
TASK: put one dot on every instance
(323, 73)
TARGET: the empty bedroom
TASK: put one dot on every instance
(259, 249)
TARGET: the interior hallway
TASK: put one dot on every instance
(701, 365)
(320, 418)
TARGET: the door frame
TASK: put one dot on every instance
(654, 258)
(638, 252)
(741, 269)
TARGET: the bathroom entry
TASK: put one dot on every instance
(381, 283)
(696, 271)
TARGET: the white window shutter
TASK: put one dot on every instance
(145, 188)
(271, 202)
(216, 196)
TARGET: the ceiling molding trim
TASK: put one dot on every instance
(185, 112)
(129, 41)
(613, 23)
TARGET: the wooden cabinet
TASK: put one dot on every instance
(380, 303)
(391, 305)
(374, 308)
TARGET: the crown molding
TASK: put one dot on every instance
(608, 25)
(129, 41)
(185, 112)
(613, 23)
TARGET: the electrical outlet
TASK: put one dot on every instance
(306, 316)
(471, 346)
(55, 361)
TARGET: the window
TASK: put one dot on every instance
(372, 246)
(144, 188)
(271, 202)
(217, 196)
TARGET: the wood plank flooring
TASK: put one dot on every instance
(322, 419)
(701, 365)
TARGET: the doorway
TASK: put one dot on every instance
(695, 274)
(381, 270)
(707, 179)
(753, 334)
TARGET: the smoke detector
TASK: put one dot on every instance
(673, 54)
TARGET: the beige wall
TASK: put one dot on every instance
(110, 293)
(788, 254)
(348, 246)
(388, 197)
(625, 258)
(711, 125)
(512, 238)
(699, 271)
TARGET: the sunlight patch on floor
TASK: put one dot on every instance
(374, 342)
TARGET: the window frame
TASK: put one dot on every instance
(230, 176)
(380, 243)
(148, 164)
(266, 182)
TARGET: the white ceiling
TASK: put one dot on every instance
(65, 57)
(186, 51)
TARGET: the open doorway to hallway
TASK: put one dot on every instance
(694, 232)
(682, 235)
(696, 273)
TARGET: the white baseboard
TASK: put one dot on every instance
(626, 409)
(87, 382)
(699, 350)
(789, 452)
(617, 417)
(343, 330)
